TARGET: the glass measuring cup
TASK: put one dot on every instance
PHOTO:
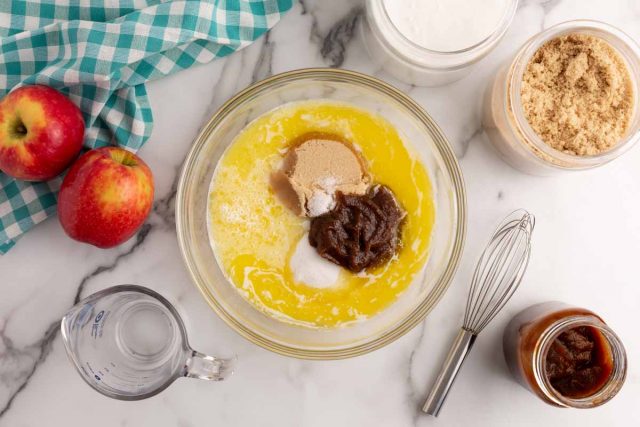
(129, 343)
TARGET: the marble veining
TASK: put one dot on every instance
(587, 240)
(23, 362)
(336, 42)
(264, 66)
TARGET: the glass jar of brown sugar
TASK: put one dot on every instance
(565, 355)
(508, 126)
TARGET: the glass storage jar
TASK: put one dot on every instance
(504, 118)
(414, 64)
(528, 339)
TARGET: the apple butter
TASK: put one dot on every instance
(361, 231)
(565, 355)
(579, 362)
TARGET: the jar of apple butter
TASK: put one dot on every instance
(565, 355)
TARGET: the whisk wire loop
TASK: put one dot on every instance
(499, 270)
(484, 280)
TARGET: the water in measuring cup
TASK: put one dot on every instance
(126, 343)
(144, 332)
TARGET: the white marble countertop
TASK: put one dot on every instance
(585, 252)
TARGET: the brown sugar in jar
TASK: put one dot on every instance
(577, 94)
(565, 355)
(567, 100)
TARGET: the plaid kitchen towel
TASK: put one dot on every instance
(100, 53)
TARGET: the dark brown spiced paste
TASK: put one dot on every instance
(361, 231)
(579, 362)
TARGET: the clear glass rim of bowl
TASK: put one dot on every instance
(450, 161)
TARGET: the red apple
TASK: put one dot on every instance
(105, 197)
(41, 132)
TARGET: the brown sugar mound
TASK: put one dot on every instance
(314, 170)
(577, 94)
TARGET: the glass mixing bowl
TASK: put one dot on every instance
(416, 128)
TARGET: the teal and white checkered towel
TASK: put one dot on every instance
(100, 53)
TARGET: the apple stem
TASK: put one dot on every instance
(124, 157)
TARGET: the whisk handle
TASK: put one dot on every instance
(459, 350)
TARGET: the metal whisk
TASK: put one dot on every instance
(497, 276)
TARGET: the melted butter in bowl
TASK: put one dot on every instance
(255, 237)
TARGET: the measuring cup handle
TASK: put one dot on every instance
(205, 367)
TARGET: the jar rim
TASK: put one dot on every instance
(614, 382)
(431, 58)
(622, 43)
